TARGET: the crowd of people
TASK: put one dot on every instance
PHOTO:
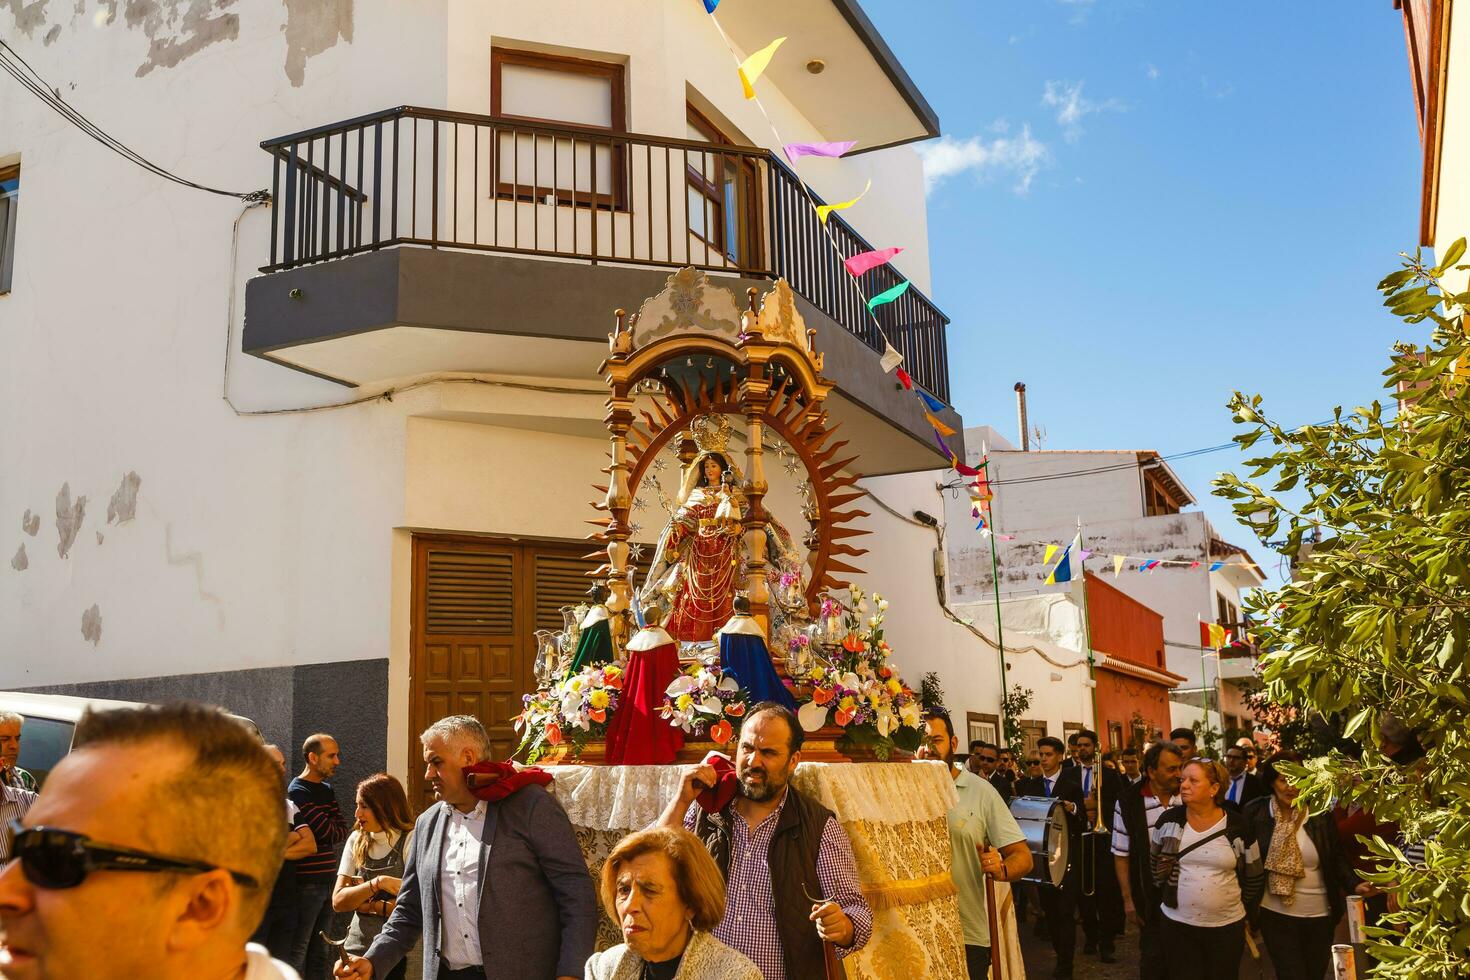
(743, 877)
(1203, 854)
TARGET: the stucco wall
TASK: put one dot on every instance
(1452, 217)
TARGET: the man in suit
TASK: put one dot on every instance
(1060, 904)
(1243, 787)
(985, 763)
(1102, 910)
(498, 891)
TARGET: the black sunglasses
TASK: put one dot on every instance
(57, 859)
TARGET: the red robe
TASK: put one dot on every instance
(638, 734)
(711, 571)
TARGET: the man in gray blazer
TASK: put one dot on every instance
(499, 891)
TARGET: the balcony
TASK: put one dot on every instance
(560, 208)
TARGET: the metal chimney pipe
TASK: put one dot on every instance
(1021, 413)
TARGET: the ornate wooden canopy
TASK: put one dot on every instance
(692, 351)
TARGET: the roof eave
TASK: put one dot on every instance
(923, 112)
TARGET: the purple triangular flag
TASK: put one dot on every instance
(796, 150)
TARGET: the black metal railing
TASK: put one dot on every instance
(424, 177)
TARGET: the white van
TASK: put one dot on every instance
(51, 721)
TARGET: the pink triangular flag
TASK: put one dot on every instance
(864, 261)
(795, 150)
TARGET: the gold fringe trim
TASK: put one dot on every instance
(915, 891)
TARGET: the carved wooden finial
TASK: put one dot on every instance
(811, 339)
(620, 341)
(750, 295)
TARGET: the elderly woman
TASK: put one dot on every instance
(664, 891)
(1308, 876)
(1208, 869)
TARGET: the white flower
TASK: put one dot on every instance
(882, 605)
(910, 714)
(728, 683)
(885, 721)
(712, 705)
(683, 684)
(873, 621)
(850, 681)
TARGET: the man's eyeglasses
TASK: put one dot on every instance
(58, 859)
(988, 758)
(1033, 762)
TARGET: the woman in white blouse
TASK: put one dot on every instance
(1308, 877)
(1209, 874)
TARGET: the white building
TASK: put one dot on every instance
(1130, 503)
(188, 510)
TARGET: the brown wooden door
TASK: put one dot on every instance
(476, 607)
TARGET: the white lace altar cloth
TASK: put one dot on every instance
(894, 813)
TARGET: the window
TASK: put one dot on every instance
(43, 741)
(1115, 736)
(980, 728)
(723, 196)
(9, 204)
(1031, 733)
(569, 167)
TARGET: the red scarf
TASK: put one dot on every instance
(495, 781)
(718, 796)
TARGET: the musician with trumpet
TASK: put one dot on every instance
(1099, 897)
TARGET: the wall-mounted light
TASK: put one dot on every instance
(816, 66)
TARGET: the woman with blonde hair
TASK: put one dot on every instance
(665, 893)
(373, 861)
(1210, 877)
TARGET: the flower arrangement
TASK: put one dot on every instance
(705, 701)
(571, 711)
(855, 687)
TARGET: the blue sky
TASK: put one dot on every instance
(1142, 206)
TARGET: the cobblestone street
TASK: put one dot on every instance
(1040, 960)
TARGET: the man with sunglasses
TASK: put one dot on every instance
(150, 852)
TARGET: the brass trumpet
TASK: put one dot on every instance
(1095, 836)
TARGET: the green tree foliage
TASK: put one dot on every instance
(1013, 708)
(1375, 628)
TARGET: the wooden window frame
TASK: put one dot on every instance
(751, 231)
(981, 718)
(616, 73)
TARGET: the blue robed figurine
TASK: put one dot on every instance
(743, 656)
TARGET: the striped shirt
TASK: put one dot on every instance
(320, 812)
(1151, 810)
(14, 804)
(750, 914)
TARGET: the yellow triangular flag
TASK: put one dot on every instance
(1118, 561)
(1217, 635)
(751, 68)
(939, 426)
(1051, 550)
(823, 210)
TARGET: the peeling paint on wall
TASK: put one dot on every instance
(52, 35)
(123, 506)
(99, 537)
(20, 563)
(92, 625)
(30, 523)
(313, 26)
(69, 516)
(197, 560)
(177, 29)
(28, 16)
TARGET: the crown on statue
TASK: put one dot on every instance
(711, 433)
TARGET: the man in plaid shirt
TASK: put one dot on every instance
(778, 851)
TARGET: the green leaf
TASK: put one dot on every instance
(1451, 256)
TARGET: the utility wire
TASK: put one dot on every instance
(30, 79)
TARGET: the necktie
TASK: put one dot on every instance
(1086, 781)
(1234, 789)
(1048, 787)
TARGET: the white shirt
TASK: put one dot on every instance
(260, 966)
(459, 887)
(1311, 890)
(1152, 807)
(1209, 894)
(379, 845)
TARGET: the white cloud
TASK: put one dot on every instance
(1151, 71)
(1072, 107)
(1018, 157)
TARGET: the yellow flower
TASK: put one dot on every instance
(894, 687)
(598, 699)
(684, 702)
(847, 703)
(816, 673)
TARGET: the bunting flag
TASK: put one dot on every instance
(796, 150)
(943, 447)
(1118, 561)
(981, 525)
(889, 295)
(1062, 571)
(904, 379)
(1212, 635)
(1215, 566)
(939, 426)
(710, 5)
(1051, 550)
(964, 470)
(1149, 566)
(752, 67)
(1084, 554)
(974, 511)
(935, 405)
(890, 359)
(823, 210)
(867, 261)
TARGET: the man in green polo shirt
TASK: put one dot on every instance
(984, 838)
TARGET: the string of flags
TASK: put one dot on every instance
(750, 71)
(1062, 571)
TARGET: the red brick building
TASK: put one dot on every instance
(1133, 681)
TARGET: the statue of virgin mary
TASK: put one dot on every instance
(697, 564)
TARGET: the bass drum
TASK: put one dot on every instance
(1044, 822)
